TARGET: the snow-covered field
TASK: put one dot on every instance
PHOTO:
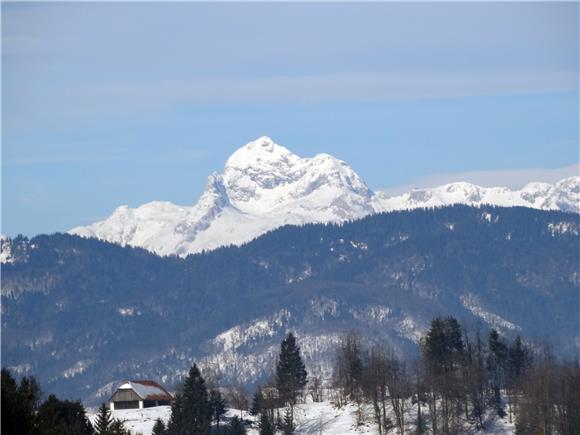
(310, 418)
(138, 421)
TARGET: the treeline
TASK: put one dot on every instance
(24, 413)
(283, 391)
(459, 380)
(196, 408)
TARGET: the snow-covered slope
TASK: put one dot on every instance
(265, 186)
(564, 196)
(5, 250)
(310, 418)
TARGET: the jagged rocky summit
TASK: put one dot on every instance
(265, 186)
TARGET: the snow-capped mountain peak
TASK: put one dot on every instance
(262, 154)
(264, 186)
(263, 177)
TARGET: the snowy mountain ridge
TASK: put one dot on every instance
(265, 186)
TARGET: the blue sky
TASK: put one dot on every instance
(122, 103)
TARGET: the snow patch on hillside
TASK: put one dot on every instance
(249, 351)
(21, 369)
(76, 369)
(240, 335)
(5, 250)
(128, 311)
(561, 228)
(373, 314)
(323, 307)
(410, 329)
(472, 303)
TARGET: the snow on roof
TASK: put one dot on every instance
(147, 390)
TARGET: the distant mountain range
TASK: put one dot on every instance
(83, 314)
(265, 186)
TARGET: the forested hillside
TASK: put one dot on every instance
(82, 314)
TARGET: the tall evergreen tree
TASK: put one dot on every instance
(118, 428)
(497, 362)
(191, 411)
(236, 427)
(291, 373)
(517, 358)
(19, 404)
(159, 428)
(217, 405)
(475, 378)
(30, 393)
(288, 423)
(103, 420)
(444, 344)
(266, 427)
(349, 368)
(443, 351)
(63, 417)
(257, 402)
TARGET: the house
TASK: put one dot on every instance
(139, 394)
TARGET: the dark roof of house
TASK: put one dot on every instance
(147, 390)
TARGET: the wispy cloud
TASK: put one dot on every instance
(514, 178)
(361, 86)
(85, 152)
(56, 159)
(82, 104)
(69, 63)
(63, 153)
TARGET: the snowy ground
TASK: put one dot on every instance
(325, 418)
(310, 418)
(139, 421)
